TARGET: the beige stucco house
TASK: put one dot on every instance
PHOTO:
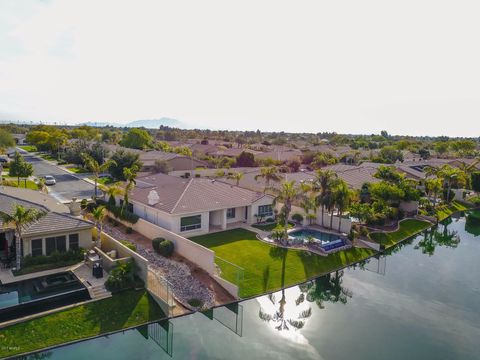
(56, 231)
(196, 206)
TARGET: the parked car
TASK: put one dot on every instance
(49, 180)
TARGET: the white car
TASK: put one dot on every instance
(49, 180)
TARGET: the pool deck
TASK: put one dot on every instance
(7, 277)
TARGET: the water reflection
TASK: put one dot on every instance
(438, 236)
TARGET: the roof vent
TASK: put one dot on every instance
(153, 198)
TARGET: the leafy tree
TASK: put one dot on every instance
(162, 166)
(424, 153)
(19, 167)
(39, 139)
(389, 174)
(20, 218)
(441, 147)
(6, 139)
(323, 159)
(245, 159)
(343, 196)
(475, 180)
(123, 159)
(137, 139)
(389, 155)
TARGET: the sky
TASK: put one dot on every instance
(410, 67)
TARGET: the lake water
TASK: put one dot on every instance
(421, 301)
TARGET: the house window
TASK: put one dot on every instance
(265, 210)
(190, 223)
(37, 247)
(231, 213)
(73, 242)
(53, 244)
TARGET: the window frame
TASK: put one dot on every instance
(34, 249)
(191, 226)
(263, 213)
(73, 241)
(231, 213)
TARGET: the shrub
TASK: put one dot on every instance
(129, 230)
(278, 232)
(55, 257)
(83, 204)
(195, 303)
(121, 277)
(129, 245)
(297, 217)
(166, 248)
(156, 243)
(270, 220)
(363, 231)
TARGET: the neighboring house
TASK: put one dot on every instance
(355, 176)
(20, 139)
(56, 231)
(196, 206)
(199, 150)
(177, 162)
(233, 152)
(281, 155)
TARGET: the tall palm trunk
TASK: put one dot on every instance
(18, 249)
(323, 213)
(331, 219)
(339, 220)
(288, 208)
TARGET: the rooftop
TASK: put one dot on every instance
(178, 195)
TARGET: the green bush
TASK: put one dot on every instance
(156, 243)
(55, 257)
(121, 277)
(129, 230)
(297, 217)
(129, 245)
(166, 248)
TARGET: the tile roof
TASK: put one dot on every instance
(51, 222)
(178, 195)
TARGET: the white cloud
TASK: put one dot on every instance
(355, 67)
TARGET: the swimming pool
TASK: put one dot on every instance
(320, 236)
(39, 294)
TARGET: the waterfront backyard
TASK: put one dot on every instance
(266, 267)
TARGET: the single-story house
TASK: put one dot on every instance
(57, 230)
(176, 161)
(196, 206)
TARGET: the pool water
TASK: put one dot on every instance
(320, 236)
(39, 294)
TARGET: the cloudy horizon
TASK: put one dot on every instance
(410, 68)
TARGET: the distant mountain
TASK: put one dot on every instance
(149, 124)
(155, 123)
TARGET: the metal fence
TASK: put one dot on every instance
(229, 271)
(160, 288)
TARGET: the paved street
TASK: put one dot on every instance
(67, 185)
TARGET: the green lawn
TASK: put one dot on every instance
(129, 308)
(13, 181)
(444, 211)
(78, 170)
(103, 180)
(270, 226)
(29, 148)
(48, 157)
(407, 229)
(268, 267)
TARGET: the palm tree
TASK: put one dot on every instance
(99, 215)
(95, 167)
(112, 191)
(130, 175)
(307, 201)
(468, 169)
(433, 186)
(287, 195)
(448, 174)
(323, 183)
(343, 197)
(237, 176)
(20, 218)
(268, 174)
